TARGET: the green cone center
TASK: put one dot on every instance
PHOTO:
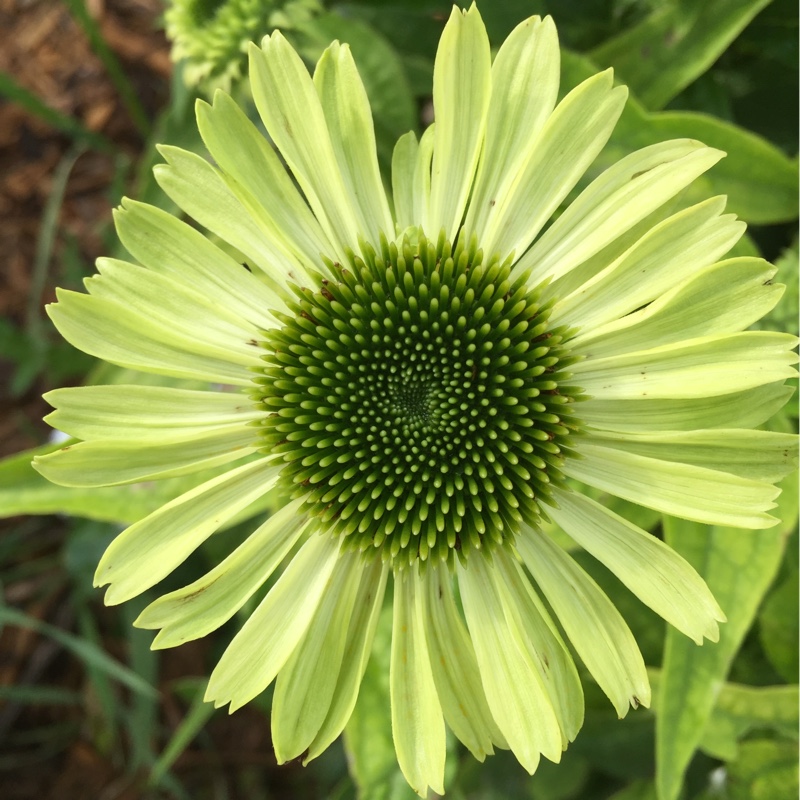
(419, 401)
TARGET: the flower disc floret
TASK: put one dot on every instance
(419, 399)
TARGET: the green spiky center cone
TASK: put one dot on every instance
(419, 400)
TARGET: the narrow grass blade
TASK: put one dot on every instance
(35, 105)
(112, 65)
(87, 652)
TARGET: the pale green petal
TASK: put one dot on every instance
(349, 118)
(110, 331)
(711, 365)
(584, 272)
(145, 413)
(421, 184)
(274, 629)
(596, 629)
(461, 91)
(264, 186)
(683, 490)
(404, 163)
(305, 686)
(546, 649)
(654, 572)
(199, 189)
(760, 455)
(292, 113)
(555, 160)
(358, 646)
(150, 549)
(518, 700)
(109, 462)
(417, 722)
(178, 307)
(671, 252)
(613, 203)
(165, 244)
(455, 668)
(201, 607)
(525, 77)
(747, 409)
(723, 298)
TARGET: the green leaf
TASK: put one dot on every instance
(739, 567)
(40, 695)
(25, 491)
(87, 652)
(760, 182)
(778, 625)
(638, 790)
(741, 709)
(765, 770)
(368, 735)
(676, 44)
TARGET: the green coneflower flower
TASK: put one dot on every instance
(212, 35)
(427, 377)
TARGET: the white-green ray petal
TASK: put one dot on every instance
(517, 698)
(404, 164)
(546, 648)
(150, 549)
(461, 92)
(109, 462)
(421, 183)
(165, 244)
(584, 272)
(417, 722)
(201, 191)
(655, 573)
(683, 490)
(710, 365)
(671, 252)
(358, 646)
(455, 668)
(555, 160)
(525, 78)
(201, 607)
(305, 686)
(265, 188)
(145, 413)
(349, 119)
(273, 630)
(292, 114)
(613, 203)
(747, 409)
(596, 629)
(118, 334)
(723, 298)
(178, 307)
(760, 455)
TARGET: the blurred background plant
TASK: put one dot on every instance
(87, 710)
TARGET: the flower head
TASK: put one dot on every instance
(212, 35)
(427, 377)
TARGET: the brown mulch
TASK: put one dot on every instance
(47, 52)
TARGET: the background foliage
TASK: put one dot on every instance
(86, 709)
